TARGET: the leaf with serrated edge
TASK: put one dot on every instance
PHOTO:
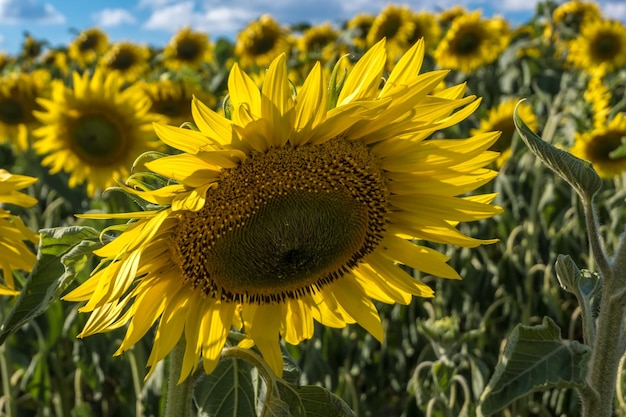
(578, 173)
(534, 358)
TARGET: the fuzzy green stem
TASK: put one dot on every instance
(9, 404)
(178, 403)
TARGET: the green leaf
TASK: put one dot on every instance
(443, 371)
(228, 391)
(577, 172)
(62, 253)
(314, 401)
(534, 358)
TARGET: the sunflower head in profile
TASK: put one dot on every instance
(95, 130)
(88, 46)
(500, 118)
(127, 60)
(170, 98)
(292, 211)
(359, 26)
(600, 147)
(18, 100)
(472, 42)
(187, 49)
(14, 235)
(395, 24)
(601, 44)
(572, 15)
(261, 41)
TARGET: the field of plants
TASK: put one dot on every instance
(142, 188)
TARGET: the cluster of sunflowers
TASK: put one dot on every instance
(295, 176)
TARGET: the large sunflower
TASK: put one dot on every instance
(289, 213)
(95, 130)
(262, 40)
(15, 253)
(575, 14)
(127, 59)
(188, 49)
(500, 118)
(18, 100)
(88, 46)
(601, 44)
(472, 42)
(598, 147)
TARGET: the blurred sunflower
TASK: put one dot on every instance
(447, 16)
(319, 42)
(18, 100)
(395, 24)
(127, 60)
(261, 41)
(599, 147)
(359, 26)
(88, 46)
(291, 213)
(171, 98)
(15, 253)
(601, 44)
(427, 27)
(31, 47)
(573, 15)
(188, 49)
(500, 118)
(598, 96)
(55, 61)
(472, 42)
(95, 130)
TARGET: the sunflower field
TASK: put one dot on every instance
(403, 214)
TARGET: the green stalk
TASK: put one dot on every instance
(178, 403)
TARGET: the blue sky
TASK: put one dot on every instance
(155, 21)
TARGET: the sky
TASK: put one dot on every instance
(153, 22)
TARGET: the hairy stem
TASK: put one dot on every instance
(178, 403)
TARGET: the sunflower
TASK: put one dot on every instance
(601, 44)
(188, 49)
(18, 100)
(447, 16)
(599, 145)
(427, 27)
(171, 98)
(95, 130)
(472, 42)
(395, 24)
(320, 42)
(291, 213)
(15, 254)
(261, 41)
(56, 61)
(598, 96)
(127, 59)
(573, 15)
(359, 26)
(500, 118)
(88, 46)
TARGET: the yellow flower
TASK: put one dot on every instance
(88, 46)
(500, 118)
(127, 60)
(261, 41)
(396, 25)
(575, 14)
(447, 16)
(171, 98)
(427, 27)
(189, 49)
(18, 100)
(598, 145)
(320, 43)
(15, 254)
(95, 130)
(359, 26)
(598, 96)
(472, 42)
(601, 44)
(290, 213)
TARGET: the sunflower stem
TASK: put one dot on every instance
(178, 402)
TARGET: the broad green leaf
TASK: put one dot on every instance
(313, 401)
(62, 252)
(578, 173)
(534, 358)
(229, 391)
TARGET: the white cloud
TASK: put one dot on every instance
(220, 20)
(615, 10)
(21, 11)
(113, 17)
